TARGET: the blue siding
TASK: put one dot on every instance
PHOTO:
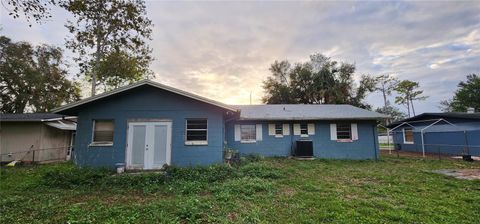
(149, 103)
(435, 142)
(364, 148)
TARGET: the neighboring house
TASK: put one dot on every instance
(38, 137)
(446, 133)
(146, 125)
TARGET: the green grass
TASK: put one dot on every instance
(386, 145)
(393, 190)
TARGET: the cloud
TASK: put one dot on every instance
(222, 50)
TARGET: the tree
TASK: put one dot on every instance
(38, 9)
(467, 95)
(33, 79)
(407, 93)
(320, 80)
(110, 32)
(394, 113)
(386, 84)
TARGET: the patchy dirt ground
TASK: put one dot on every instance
(466, 174)
(427, 155)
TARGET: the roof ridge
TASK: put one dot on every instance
(138, 84)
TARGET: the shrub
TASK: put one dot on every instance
(74, 176)
(206, 174)
(250, 158)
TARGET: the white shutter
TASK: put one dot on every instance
(333, 132)
(259, 132)
(296, 129)
(271, 129)
(286, 129)
(354, 131)
(311, 129)
(237, 132)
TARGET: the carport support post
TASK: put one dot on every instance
(388, 142)
(423, 145)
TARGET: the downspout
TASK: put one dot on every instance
(290, 125)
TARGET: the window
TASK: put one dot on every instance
(408, 135)
(196, 132)
(344, 131)
(248, 133)
(303, 129)
(279, 129)
(103, 132)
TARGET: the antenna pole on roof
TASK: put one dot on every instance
(250, 97)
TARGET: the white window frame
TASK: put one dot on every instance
(306, 130)
(93, 143)
(195, 142)
(281, 129)
(404, 139)
(254, 134)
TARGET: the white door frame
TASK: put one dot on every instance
(149, 135)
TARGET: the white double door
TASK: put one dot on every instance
(149, 144)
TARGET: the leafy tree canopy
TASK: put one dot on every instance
(467, 95)
(110, 37)
(39, 10)
(408, 91)
(318, 81)
(33, 78)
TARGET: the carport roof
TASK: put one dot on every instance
(29, 116)
(427, 116)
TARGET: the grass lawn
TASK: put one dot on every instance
(393, 190)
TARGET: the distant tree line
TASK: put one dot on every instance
(322, 80)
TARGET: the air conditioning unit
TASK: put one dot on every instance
(304, 148)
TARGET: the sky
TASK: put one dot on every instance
(223, 50)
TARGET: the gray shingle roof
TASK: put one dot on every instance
(306, 112)
(28, 116)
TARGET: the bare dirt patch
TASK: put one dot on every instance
(466, 174)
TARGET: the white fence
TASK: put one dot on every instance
(383, 139)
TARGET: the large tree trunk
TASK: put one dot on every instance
(408, 108)
(413, 109)
(384, 96)
(97, 55)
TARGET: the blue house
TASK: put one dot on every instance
(146, 125)
(445, 133)
(336, 131)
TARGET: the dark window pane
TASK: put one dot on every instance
(196, 135)
(248, 132)
(197, 124)
(196, 130)
(103, 131)
(344, 131)
(278, 129)
(303, 129)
